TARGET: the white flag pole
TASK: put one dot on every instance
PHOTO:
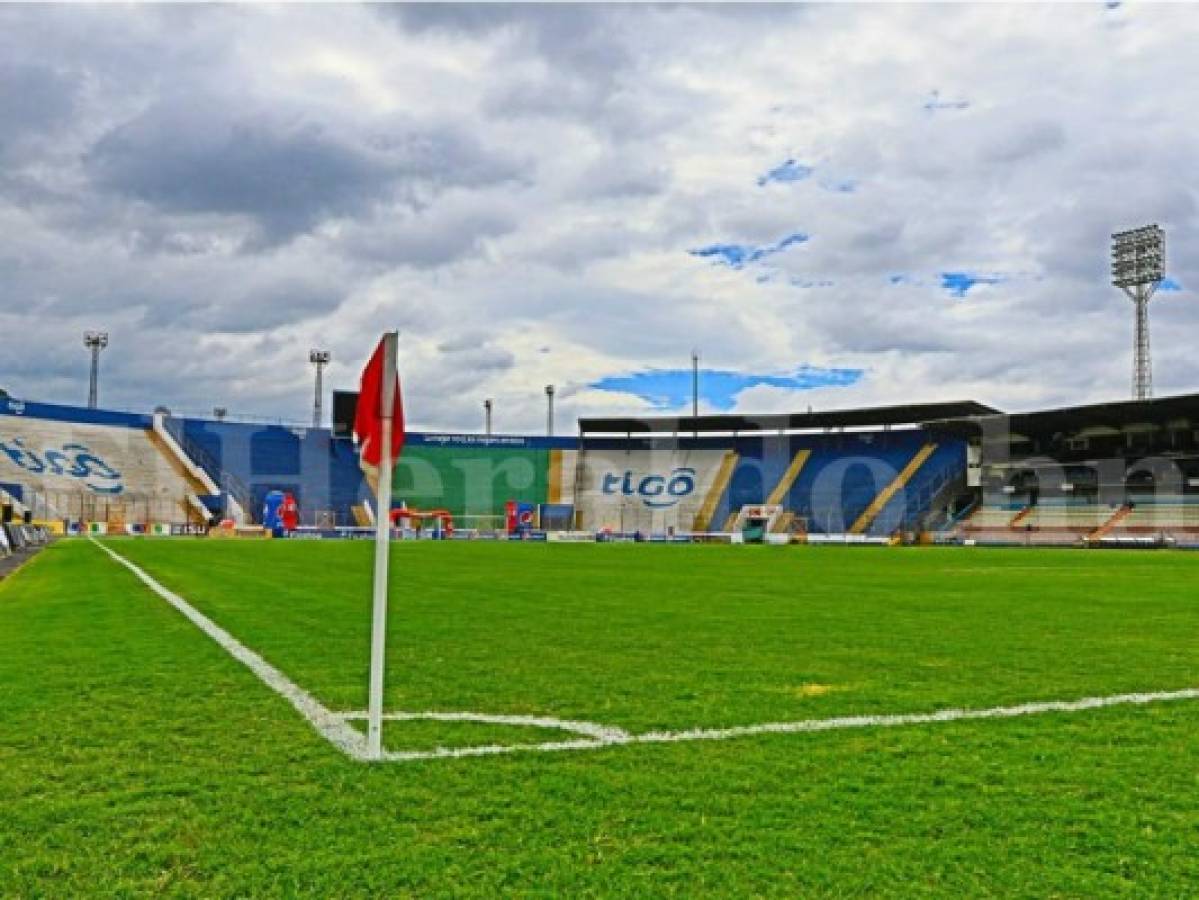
(374, 733)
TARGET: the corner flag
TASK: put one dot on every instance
(379, 427)
(370, 413)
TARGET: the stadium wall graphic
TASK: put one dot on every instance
(81, 464)
(651, 489)
(472, 475)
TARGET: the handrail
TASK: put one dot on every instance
(227, 481)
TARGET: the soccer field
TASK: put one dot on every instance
(751, 721)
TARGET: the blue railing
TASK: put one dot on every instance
(226, 481)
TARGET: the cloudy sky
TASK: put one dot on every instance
(838, 205)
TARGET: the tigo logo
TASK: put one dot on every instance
(655, 491)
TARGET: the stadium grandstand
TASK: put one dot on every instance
(1108, 474)
(1119, 474)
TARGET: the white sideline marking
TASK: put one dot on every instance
(619, 738)
(334, 726)
(606, 733)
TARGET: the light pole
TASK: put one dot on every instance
(1138, 267)
(549, 410)
(95, 341)
(695, 390)
(320, 359)
(487, 417)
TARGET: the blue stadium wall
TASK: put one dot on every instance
(842, 475)
(323, 473)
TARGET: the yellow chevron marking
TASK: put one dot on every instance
(719, 484)
(780, 490)
(884, 496)
(554, 478)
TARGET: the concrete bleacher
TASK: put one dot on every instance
(470, 475)
(1047, 524)
(1060, 524)
(1080, 519)
(1172, 518)
(991, 517)
(64, 462)
(613, 477)
(252, 459)
(829, 481)
(845, 474)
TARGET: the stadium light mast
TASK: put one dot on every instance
(695, 390)
(95, 341)
(1138, 267)
(320, 359)
(549, 410)
(487, 417)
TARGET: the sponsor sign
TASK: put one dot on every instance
(656, 491)
(68, 461)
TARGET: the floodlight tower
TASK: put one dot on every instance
(549, 410)
(95, 341)
(695, 389)
(1138, 267)
(487, 417)
(320, 359)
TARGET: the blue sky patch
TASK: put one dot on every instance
(667, 389)
(959, 283)
(786, 172)
(737, 256)
(1169, 284)
(936, 102)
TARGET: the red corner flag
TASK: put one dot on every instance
(368, 418)
(379, 427)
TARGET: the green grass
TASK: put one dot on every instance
(137, 757)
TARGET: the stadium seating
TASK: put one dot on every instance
(1078, 519)
(472, 477)
(91, 465)
(827, 483)
(845, 474)
(1051, 523)
(1173, 519)
(653, 486)
(991, 517)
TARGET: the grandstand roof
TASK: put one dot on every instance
(1120, 414)
(878, 416)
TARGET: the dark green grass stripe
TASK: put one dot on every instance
(152, 791)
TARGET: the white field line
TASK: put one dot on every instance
(334, 726)
(605, 733)
(616, 737)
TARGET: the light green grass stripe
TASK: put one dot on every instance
(330, 726)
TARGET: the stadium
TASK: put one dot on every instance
(670, 670)
(895, 595)
(1115, 474)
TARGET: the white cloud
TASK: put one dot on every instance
(517, 189)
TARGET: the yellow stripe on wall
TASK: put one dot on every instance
(876, 505)
(554, 478)
(719, 484)
(780, 490)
